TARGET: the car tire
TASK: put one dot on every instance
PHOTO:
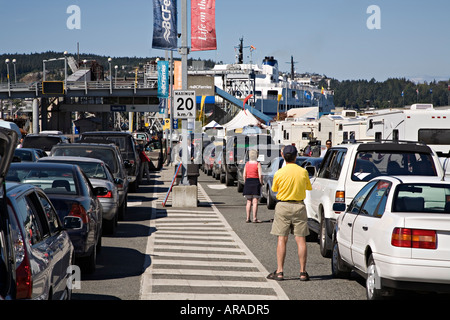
(372, 292)
(271, 202)
(229, 181)
(324, 239)
(240, 186)
(338, 267)
(88, 263)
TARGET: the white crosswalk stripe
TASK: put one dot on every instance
(194, 254)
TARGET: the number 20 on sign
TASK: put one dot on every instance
(185, 104)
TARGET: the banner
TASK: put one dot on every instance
(203, 25)
(164, 24)
(163, 79)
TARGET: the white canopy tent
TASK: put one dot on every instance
(241, 120)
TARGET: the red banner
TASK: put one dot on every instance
(203, 25)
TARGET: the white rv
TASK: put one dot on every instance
(294, 131)
(420, 123)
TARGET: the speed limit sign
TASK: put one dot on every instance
(185, 104)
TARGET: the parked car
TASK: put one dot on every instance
(234, 153)
(396, 232)
(74, 199)
(347, 167)
(110, 154)
(217, 166)
(99, 175)
(209, 155)
(267, 195)
(35, 250)
(44, 140)
(312, 162)
(29, 154)
(128, 148)
(266, 153)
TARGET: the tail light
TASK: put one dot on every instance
(414, 238)
(231, 156)
(24, 282)
(340, 196)
(108, 195)
(78, 210)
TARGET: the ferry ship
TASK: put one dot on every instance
(271, 92)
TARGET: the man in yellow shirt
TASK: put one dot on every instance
(290, 183)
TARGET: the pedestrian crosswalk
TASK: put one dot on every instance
(193, 254)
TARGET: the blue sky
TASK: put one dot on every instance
(328, 37)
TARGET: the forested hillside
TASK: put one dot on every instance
(349, 94)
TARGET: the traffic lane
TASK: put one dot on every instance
(258, 239)
(122, 259)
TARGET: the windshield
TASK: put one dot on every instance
(370, 164)
(44, 143)
(91, 169)
(107, 155)
(52, 180)
(431, 198)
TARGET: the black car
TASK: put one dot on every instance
(44, 141)
(128, 149)
(74, 199)
(29, 154)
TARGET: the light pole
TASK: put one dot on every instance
(85, 75)
(110, 75)
(15, 74)
(65, 71)
(115, 75)
(7, 76)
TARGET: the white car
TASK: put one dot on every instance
(396, 233)
(346, 168)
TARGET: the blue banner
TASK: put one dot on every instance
(164, 24)
(163, 79)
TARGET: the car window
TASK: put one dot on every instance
(376, 201)
(107, 155)
(45, 143)
(370, 164)
(52, 217)
(29, 218)
(51, 180)
(417, 197)
(358, 200)
(332, 164)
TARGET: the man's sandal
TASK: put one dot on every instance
(304, 276)
(278, 276)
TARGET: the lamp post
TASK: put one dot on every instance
(110, 75)
(85, 75)
(7, 76)
(15, 74)
(115, 75)
(65, 71)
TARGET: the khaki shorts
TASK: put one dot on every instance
(290, 217)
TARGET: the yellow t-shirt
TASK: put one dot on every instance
(291, 183)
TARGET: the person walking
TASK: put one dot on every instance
(290, 183)
(145, 162)
(252, 185)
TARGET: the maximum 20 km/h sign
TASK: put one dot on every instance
(185, 104)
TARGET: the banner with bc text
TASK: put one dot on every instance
(165, 24)
(163, 79)
(203, 25)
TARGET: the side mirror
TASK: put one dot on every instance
(71, 222)
(100, 191)
(311, 170)
(118, 181)
(339, 206)
(127, 164)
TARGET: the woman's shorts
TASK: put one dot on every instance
(290, 217)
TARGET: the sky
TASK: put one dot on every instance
(341, 39)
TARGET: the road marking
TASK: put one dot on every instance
(195, 254)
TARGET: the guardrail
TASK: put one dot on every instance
(77, 85)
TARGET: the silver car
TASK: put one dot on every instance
(99, 175)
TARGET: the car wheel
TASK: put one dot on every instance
(222, 178)
(372, 292)
(324, 239)
(240, 187)
(271, 202)
(229, 181)
(338, 267)
(88, 263)
(110, 226)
